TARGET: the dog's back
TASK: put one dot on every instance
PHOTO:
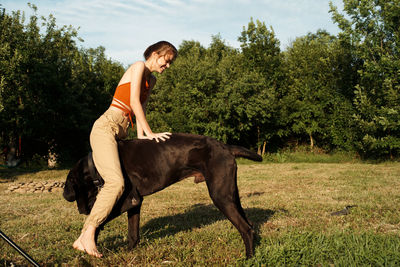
(150, 166)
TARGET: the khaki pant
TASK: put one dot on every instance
(110, 126)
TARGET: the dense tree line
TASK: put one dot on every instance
(50, 90)
(335, 92)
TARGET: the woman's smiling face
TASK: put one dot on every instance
(164, 62)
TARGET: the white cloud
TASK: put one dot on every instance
(126, 27)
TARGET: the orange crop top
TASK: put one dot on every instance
(122, 97)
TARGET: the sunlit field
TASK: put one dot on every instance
(290, 204)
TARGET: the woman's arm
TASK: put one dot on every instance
(139, 128)
(143, 127)
(137, 72)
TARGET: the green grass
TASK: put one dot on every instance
(289, 203)
(317, 156)
(303, 154)
(338, 249)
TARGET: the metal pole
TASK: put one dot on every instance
(17, 248)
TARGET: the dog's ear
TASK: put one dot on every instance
(79, 186)
(70, 184)
(82, 200)
(86, 191)
(86, 198)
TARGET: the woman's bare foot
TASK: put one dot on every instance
(77, 245)
(86, 243)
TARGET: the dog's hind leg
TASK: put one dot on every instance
(224, 193)
(133, 226)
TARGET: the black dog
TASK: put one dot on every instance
(150, 167)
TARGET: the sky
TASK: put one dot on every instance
(127, 27)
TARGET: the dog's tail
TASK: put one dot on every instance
(242, 152)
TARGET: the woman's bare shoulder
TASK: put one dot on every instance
(137, 65)
(135, 69)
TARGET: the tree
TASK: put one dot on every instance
(50, 91)
(179, 101)
(262, 63)
(373, 30)
(312, 102)
(213, 91)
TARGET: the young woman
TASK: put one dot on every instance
(130, 99)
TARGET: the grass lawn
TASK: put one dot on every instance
(289, 203)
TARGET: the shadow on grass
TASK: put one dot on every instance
(196, 216)
(11, 174)
(8, 175)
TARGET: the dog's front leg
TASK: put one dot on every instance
(133, 226)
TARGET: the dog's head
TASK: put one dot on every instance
(80, 188)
